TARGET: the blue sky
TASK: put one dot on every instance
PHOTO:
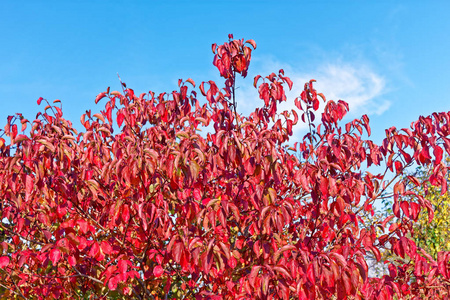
(389, 60)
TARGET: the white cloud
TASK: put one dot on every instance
(357, 84)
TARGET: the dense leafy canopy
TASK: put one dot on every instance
(433, 235)
(159, 209)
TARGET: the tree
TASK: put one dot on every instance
(433, 235)
(430, 234)
(159, 210)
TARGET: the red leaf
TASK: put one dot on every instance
(251, 42)
(443, 187)
(207, 260)
(112, 284)
(13, 131)
(99, 97)
(125, 213)
(289, 82)
(120, 118)
(396, 209)
(347, 283)
(122, 266)
(257, 248)
(240, 63)
(298, 104)
(232, 262)
(438, 154)
(376, 252)
(197, 194)
(202, 88)
(20, 138)
(178, 248)
(40, 100)
(100, 117)
(281, 250)
(316, 104)
(339, 258)
(239, 243)
(324, 187)
(415, 210)
(94, 250)
(398, 167)
(405, 208)
(283, 271)
(255, 80)
(72, 261)
(322, 96)
(191, 81)
(106, 247)
(387, 220)
(55, 255)
(310, 274)
(83, 225)
(29, 184)
(253, 275)
(158, 271)
(4, 261)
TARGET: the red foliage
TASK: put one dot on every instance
(158, 208)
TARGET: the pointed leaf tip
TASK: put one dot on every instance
(251, 42)
(158, 271)
(4, 261)
(99, 97)
(191, 81)
(55, 255)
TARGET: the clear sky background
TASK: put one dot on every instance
(388, 59)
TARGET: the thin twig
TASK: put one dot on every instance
(87, 276)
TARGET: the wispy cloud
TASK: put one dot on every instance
(356, 83)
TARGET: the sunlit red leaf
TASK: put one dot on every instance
(13, 131)
(20, 138)
(95, 249)
(253, 274)
(191, 81)
(55, 256)
(99, 97)
(120, 118)
(4, 261)
(122, 266)
(72, 261)
(283, 271)
(310, 274)
(437, 151)
(158, 271)
(125, 213)
(112, 284)
(106, 247)
(251, 42)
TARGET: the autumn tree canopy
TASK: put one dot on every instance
(433, 235)
(143, 205)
